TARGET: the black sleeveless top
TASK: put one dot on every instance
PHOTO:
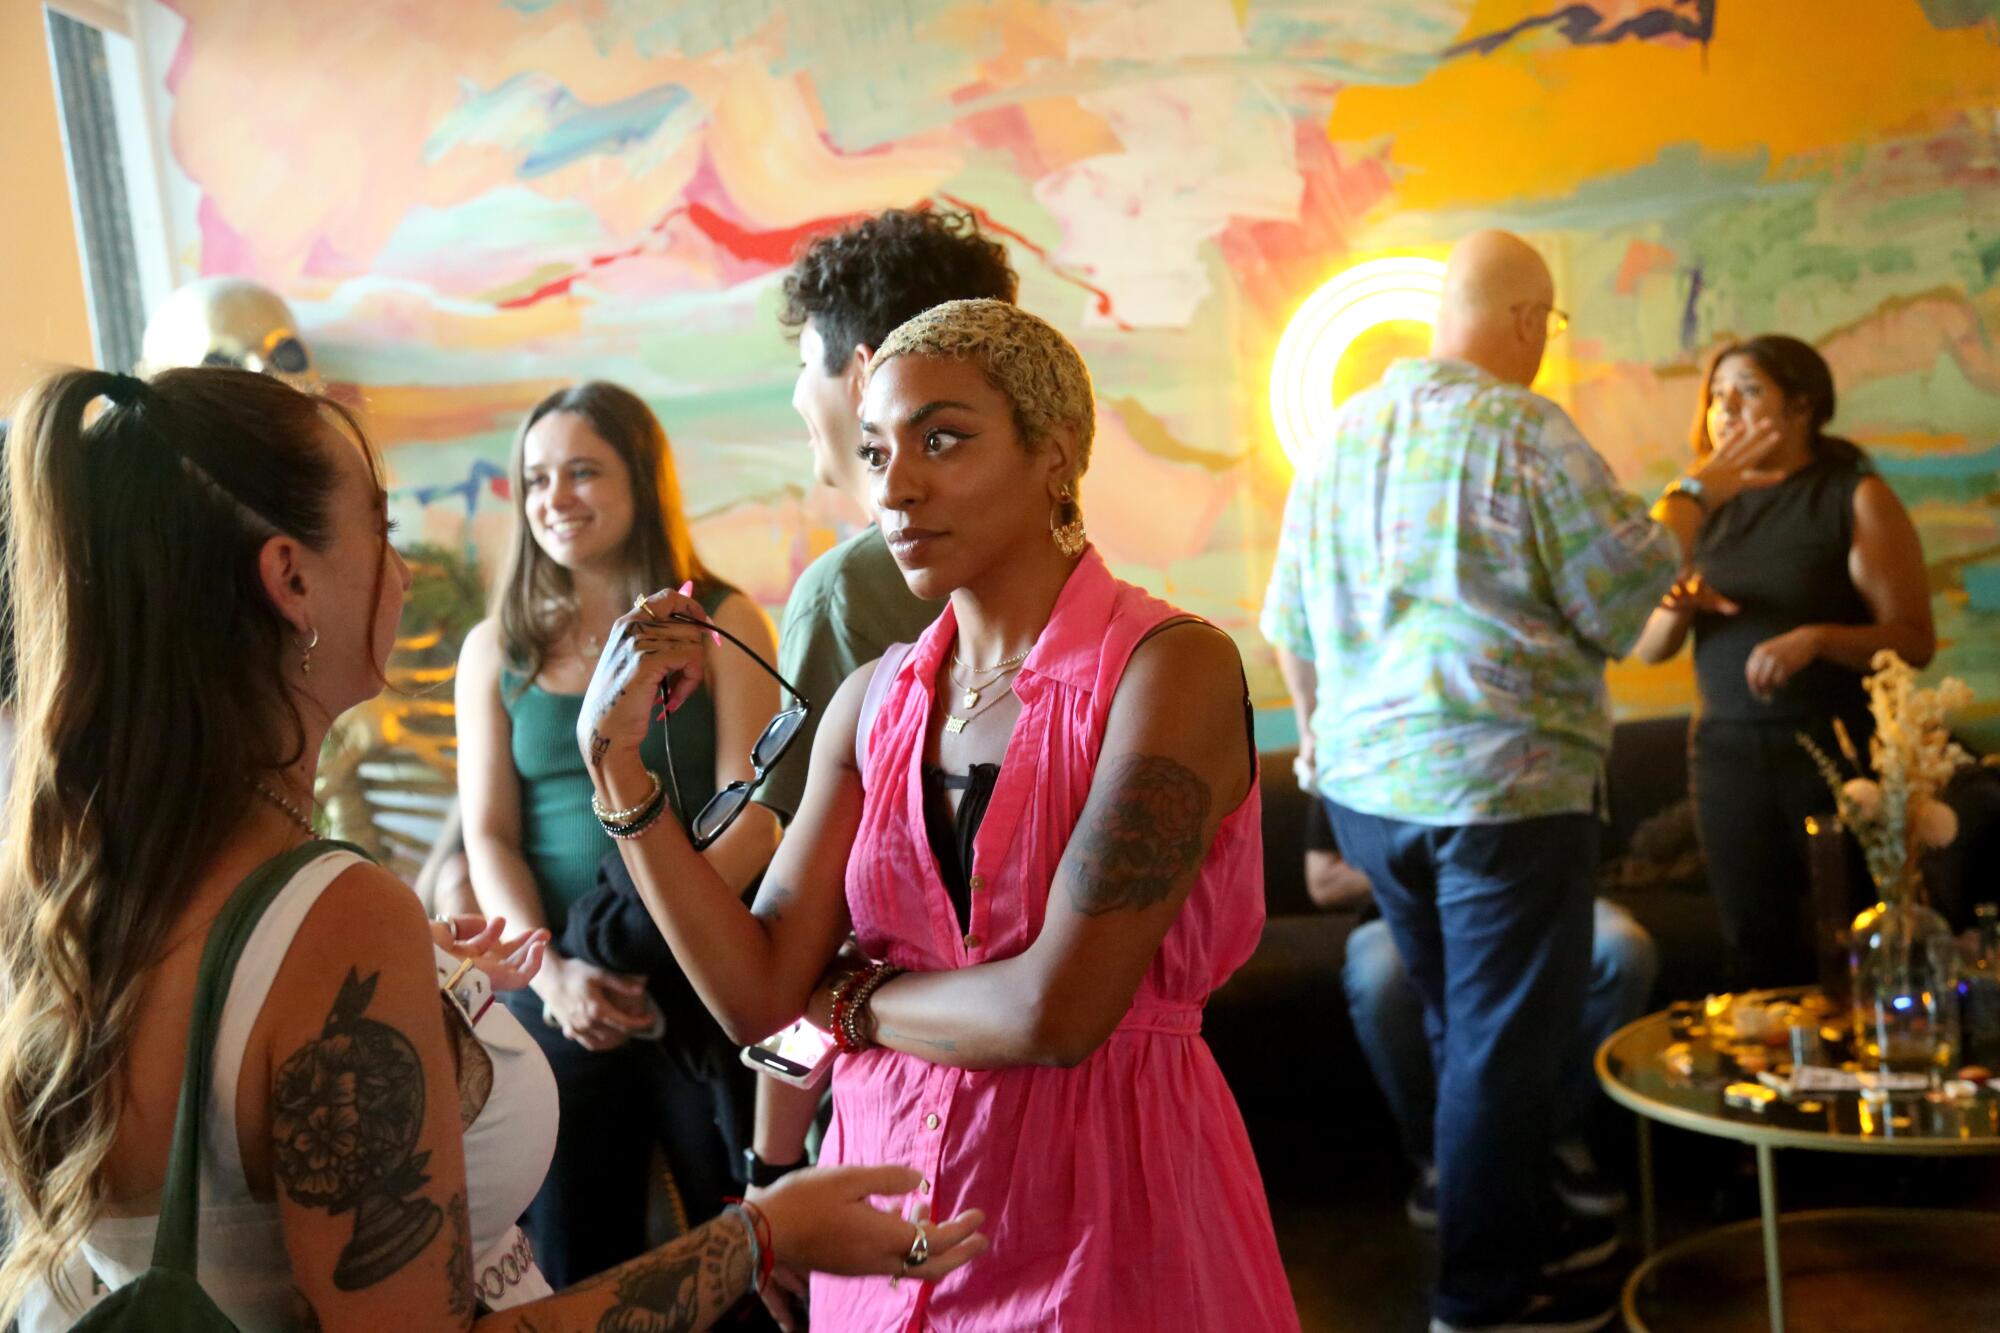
(1781, 555)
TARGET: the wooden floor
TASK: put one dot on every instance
(1357, 1264)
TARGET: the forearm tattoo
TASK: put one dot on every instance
(458, 1260)
(685, 1285)
(346, 1111)
(1141, 831)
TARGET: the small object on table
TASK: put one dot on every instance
(1748, 1096)
(1975, 1073)
(1807, 1048)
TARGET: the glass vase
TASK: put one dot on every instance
(1904, 983)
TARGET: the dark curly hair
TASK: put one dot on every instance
(856, 285)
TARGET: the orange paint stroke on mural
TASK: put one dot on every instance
(1786, 77)
(401, 414)
(1643, 258)
(768, 144)
(1155, 513)
(1907, 334)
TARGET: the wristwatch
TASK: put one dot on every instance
(1690, 487)
(760, 1174)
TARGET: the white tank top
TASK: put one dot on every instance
(243, 1264)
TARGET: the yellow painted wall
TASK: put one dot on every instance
(43, 315)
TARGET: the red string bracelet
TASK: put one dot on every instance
(760, 1227)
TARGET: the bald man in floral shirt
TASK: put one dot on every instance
(1456, 566)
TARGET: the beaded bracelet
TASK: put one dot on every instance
(763, 1254)
(625, 816)
(648, 816)
(838, 1022)
(857, 992)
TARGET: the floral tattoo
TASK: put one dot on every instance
(345, 1115)
(1139, 834)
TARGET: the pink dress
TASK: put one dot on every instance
(1120, 1194)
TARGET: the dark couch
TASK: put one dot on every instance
(1280, 1028)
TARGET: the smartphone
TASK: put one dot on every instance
(800, 1055)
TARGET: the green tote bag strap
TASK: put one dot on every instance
(174, 1244)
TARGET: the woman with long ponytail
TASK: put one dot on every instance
(203, 581)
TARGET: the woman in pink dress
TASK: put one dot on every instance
(1045, 837)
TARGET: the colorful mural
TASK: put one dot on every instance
(471, 202)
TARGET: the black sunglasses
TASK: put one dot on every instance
(723, 807)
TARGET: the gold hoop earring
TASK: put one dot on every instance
(306, 662)
(1068, 537)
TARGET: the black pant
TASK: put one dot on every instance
(617, 1105)
(1754, 786)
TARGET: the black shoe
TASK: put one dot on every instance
(1422, 1205)
(1582, 1186)
(1556, 1310)
(1579, 1243)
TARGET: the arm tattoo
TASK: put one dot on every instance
(475, 1066)
(598, 747)
(1141, 831)
(346, 1111)
(458, 1260)
(935, 1043)
(686, 1285)
(772, 900)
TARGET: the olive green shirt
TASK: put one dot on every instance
(848, 606)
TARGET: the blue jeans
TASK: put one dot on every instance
(1493, 921)
(1388, 1019)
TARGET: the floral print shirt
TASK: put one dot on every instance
(1458, 563)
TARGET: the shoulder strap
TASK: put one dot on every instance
(886, 667)
(174, 1243)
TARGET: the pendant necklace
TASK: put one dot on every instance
(954, 723)
(978, 687)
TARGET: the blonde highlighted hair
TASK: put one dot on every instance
(1026, 359)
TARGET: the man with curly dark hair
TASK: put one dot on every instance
(845, 292)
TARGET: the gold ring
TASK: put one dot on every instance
(640, 607)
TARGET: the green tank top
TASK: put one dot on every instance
(560, 837)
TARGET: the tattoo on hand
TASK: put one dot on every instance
(684, 1286)
(1141, 831)
(346, 1111)
(599, 747)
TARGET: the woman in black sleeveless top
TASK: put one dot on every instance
(1791, 590)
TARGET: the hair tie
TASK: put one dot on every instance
(125, 390)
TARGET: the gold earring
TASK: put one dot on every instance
(1068, 537)
(306, 663)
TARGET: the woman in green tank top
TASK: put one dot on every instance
(600, 521)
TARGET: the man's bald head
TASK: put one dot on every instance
(1494, 312)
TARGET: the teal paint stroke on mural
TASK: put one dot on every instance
(1961, 13)
(1940, 400)
(550, 127)
(493, 239)
(1982, 587)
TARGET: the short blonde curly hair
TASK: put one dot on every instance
(1025, 358)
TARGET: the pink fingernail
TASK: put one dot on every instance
(687, 589)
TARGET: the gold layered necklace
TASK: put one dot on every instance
(955, 723)
(993, 673)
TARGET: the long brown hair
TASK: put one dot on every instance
(1800, 373)
(152, 689)
(535, 599)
